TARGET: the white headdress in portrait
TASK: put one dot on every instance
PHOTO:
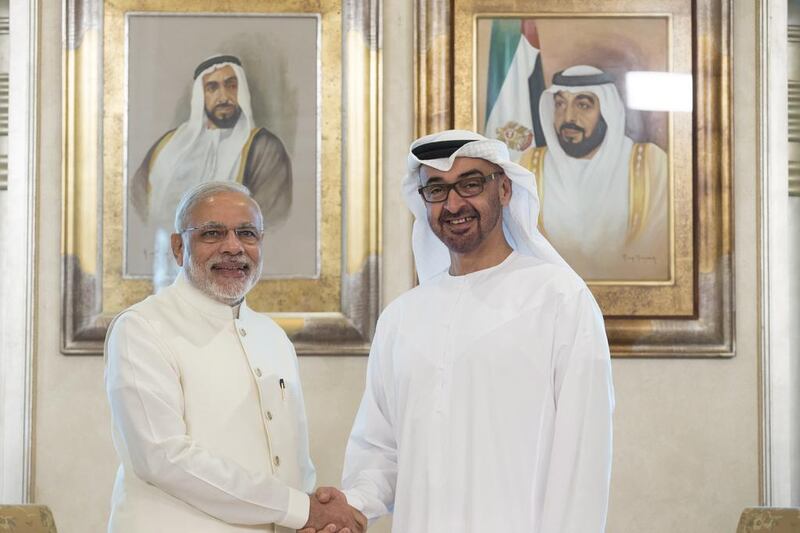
(519, 218)
(195, 153)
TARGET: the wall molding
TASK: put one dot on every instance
(794, 122)
(4, 87)
(17, 343)
(3, 172)
(794, 178)
(793, 35)
(794, 110)
(775, 378)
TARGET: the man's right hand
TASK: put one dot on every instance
(330, 513)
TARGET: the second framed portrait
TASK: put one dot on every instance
(593, 155)
(621, 110)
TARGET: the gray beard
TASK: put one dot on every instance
(201, 277)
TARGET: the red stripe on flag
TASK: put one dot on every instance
(530, 32)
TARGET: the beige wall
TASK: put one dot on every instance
(686, 440)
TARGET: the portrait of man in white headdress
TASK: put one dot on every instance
(222, 97)
(604, 197)
(219, 142)
(602, 169)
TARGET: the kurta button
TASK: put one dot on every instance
(269, 415)
(258, 372)
(242, 332)
(277, 461)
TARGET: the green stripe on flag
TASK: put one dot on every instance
(506, 34)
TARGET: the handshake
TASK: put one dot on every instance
(330, 513)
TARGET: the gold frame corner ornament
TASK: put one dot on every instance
(343, 317)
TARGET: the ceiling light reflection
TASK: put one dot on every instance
(659, 91)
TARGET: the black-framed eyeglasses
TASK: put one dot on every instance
(216, 233)
(466, 188)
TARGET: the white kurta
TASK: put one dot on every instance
(209, 441)
(487, 406)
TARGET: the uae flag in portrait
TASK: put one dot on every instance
(514, 84)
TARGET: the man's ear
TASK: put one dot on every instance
(505, 190)
(176, 241)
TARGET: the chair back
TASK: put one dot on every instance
(26, 519)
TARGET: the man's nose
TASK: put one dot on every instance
(454, 201)
(224, 96)
(231, 243)
(570, 114)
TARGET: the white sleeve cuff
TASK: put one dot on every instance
(297, 511)
(354, 500)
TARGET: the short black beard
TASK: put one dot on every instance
(461, 244)
(584, 147)
(225, 123)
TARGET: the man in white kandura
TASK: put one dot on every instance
(604, 197)
(207, 410)
(219, 142)
(489, 398)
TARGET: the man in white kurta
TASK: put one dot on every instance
(604, 197)
(488, 399)
(206, 404)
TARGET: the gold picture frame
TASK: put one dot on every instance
(690, 312)
(332, 311)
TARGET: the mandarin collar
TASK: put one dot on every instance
(203, 302)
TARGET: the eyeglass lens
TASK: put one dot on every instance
(215, 234)
(465, 188)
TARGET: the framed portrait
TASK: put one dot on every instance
(278, 95)
(161, 95)
(621, 109)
